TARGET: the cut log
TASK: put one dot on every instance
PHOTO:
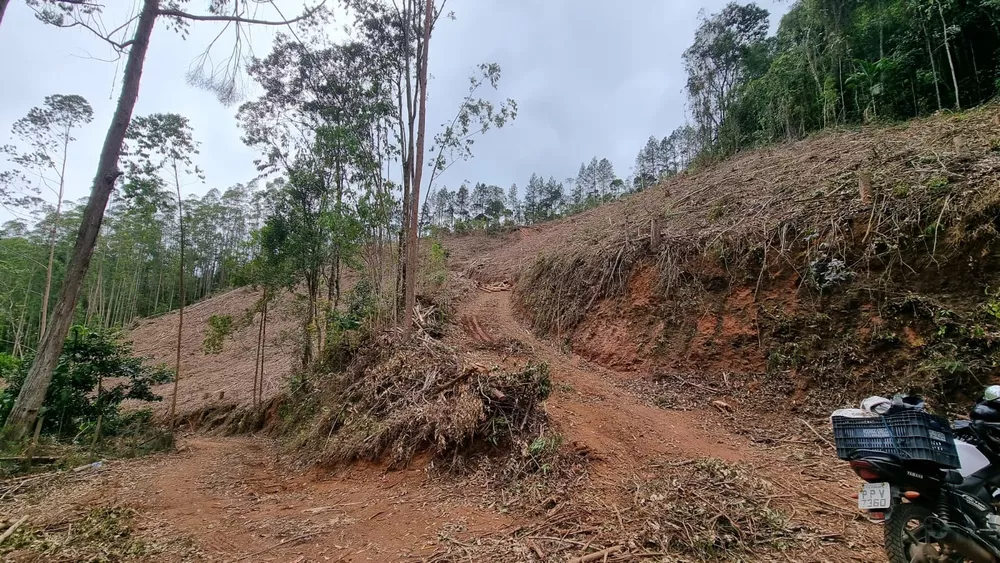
(723, 406)
(865, 186)
(960, 146)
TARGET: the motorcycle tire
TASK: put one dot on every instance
(897, 541)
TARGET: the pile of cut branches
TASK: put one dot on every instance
(402, 397)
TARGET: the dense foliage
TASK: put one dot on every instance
(836, 62)
(134, 271)
(96, 373)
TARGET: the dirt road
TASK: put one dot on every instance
(237, 499)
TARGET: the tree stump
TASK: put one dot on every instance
(865, 186)
(654, 234)
(960, 146)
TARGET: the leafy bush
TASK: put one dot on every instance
(827, 272)
(95, 374)
(435, 267)
(219, 327)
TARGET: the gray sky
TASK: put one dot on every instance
(591, 78)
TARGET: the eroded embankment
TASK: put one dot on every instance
(823, 270)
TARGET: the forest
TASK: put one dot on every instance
(343, 180)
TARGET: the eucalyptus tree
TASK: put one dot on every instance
(727, 51)
(834, 62)
(73, 13)
(163, 144)
(48, 131)
(326, 108)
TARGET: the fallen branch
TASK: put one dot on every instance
(276, 546)
(693, 384)
(597, 555)
(13, 528)
(818, 435)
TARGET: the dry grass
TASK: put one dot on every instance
(99, 535)
(794, 206)
(400, 398)
(696, 510)
(709, 510)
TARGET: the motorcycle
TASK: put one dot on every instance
(934, 487)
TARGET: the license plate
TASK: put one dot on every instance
(875, 496)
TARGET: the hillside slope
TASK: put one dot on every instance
(224, 378)
(773, 269)
(773, 286)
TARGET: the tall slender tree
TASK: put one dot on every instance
(70, 13)
(49, 130)
(164, 144)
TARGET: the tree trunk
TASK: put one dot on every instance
(137, 279)
(3, 8)
(180, 282)
(29, 401)
(256, 359)
(95, 307)
(156, 295)
(311, 289)
(52, 237)
(410, 289)
(934, 74)
(865, 186)
(21, 329)
(951, 63)
(263, 348)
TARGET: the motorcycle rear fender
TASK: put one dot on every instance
(910, 478)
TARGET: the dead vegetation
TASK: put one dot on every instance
(711, 511)
(223, 376)
(697, 510)
(834, 280)
(797, 205)
(399, 398)
(100, 534)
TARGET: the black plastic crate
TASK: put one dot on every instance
(909, 435)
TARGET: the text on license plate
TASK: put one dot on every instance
(874, 496)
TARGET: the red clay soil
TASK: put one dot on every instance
(236, 499)
(625, 433)
(233, 499)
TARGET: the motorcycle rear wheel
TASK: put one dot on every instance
(905, 536)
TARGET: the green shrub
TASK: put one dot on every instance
(95, 374)
(219, 327)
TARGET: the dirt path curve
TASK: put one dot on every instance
(619, 429)
(236, 499)
(626, 433)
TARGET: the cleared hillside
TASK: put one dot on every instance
(226, 377)
(774, 268)
(774, 286)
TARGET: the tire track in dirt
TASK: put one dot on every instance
(626, 434)
(621, 430)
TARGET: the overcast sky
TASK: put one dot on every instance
(591, 78)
